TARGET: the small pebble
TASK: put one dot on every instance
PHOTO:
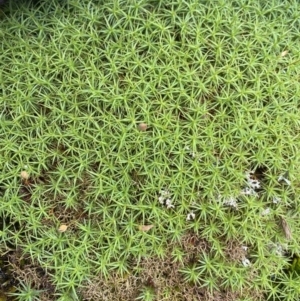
(142, 127)
(62, 228)
(24, 175)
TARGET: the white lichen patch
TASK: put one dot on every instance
(165, 199)
(190, 216)
(283, 178)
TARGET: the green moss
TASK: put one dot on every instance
(295, 265)
(216, 82)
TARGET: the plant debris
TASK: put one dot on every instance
(286, 229)
(145, 228)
